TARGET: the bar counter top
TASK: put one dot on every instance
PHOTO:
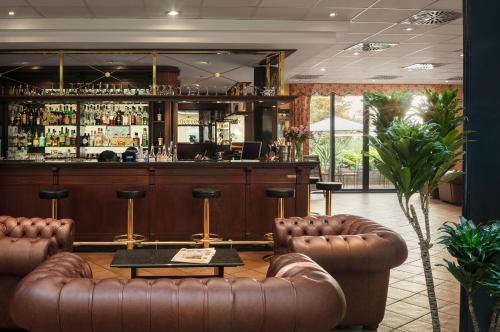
(168, 212)
(171, 164)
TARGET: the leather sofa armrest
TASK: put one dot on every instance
(347, 253)
(20, 256)
(60, 232)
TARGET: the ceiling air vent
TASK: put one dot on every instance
(384, 77)
(456, 78)
(432, 17)
(305, 77)
(423, 66)
(370, 47)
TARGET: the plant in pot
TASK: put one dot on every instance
(477, 253)
(414, 157)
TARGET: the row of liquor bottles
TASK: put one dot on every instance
(99, 137)
(34, 139)
(112, 114)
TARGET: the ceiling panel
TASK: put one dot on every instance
(172, 3)
(230, 3)
(112, 12)
(346, 3)
(385, 15)
(280, 13)
(13, 3)
(233, 12)
(447, 4)
(117, 4)
(390, 38)
(56, 3)
(403, 4)
(21, 12)
(161, 12)
(65, 12)
(341, 14)
(289, 3)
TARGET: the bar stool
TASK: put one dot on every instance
(312, 180)
(280, 194)
(130, 238)
(206, 237)
(54, 195)
(329, 187)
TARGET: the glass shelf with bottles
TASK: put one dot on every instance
(38, 128)
(113, 126)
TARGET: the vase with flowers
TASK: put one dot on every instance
(296, 136)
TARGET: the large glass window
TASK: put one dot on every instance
(320, 127)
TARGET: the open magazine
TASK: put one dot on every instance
(200, 256)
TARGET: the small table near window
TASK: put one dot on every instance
(162, 258)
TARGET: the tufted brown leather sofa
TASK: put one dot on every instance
(59, 295)
(357, 252)
(24, 244)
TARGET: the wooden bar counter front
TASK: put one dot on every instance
(169, 212)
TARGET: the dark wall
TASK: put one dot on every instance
(482, 111)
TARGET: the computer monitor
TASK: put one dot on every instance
(251, 150)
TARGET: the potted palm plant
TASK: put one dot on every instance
(477, 253)
(386, 108)
(414, 157)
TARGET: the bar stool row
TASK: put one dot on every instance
(130, 238)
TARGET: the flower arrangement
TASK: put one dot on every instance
(297, 135)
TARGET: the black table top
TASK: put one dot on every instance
(141, 258)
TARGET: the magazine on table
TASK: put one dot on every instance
(200, 256)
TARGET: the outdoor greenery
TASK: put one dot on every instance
(477, 253)
(442, 109)
(386, 108)
(415, 157)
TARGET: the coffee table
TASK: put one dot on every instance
(162, 258)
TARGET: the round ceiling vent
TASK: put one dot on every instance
(432, 17)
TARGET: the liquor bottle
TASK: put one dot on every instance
(38, 119)
(42, 140)
(160, 139)
(62, 137)
(132, 116)
(36, 140)
(145, 141)
(29, 138)
(159, 116)
(137, 141)
(24, 118)
(73, 116)
(12, 117)
(18, 116)
(119, 119)
(85, 140)
(145, 116)
(126, 117)
(31, 117)
(152, 155)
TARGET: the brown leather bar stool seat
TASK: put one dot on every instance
(130, 238)
(206, 237)
(312, 180)
(329, 187)
(54, 195)
(280, 194)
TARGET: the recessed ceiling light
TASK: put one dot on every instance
(446, 81)
(333, 14)
(173, 12)
(409, 29)
(462, 55)
(11, 13)
(323, 69)
(203, 62)
(373, 80)
(356, 53)
(217, 74)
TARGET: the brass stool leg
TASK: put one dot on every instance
(54, 208)
(206, 223)
(328, 203)
(309, 200)
(281, 207)
(130, 224)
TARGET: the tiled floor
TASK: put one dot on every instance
(407, 306)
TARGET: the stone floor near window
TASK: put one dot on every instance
(407, 305)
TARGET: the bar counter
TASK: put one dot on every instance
(169, 212)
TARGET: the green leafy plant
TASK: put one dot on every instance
(414, 157)
(386, 108)
(443, 109)
(476, 249)
(492, 281)
(350, 159)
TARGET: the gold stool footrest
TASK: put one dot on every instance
(212, 237)
(136, 238)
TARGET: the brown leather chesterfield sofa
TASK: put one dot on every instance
(24, 244)
(61, 296)
(357, 252)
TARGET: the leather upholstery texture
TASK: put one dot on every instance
(60, 296)
(24, 244)
(357, 252)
